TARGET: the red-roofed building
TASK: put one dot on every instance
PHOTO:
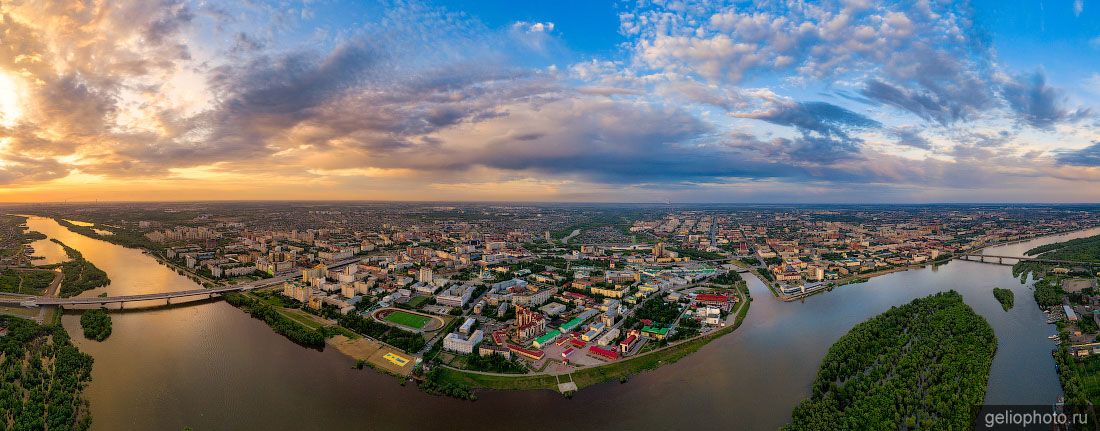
(628, 343)
(708, 298)
(565, 355)
(577, 343)
(602, 353)
(527, 353)
(499, 337)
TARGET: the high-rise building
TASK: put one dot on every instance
(425, 275)
(659, 249)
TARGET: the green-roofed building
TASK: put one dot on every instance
(546, 338)
(572, 324)
(655, 332)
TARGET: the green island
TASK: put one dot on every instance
(79, 274)
(96, 324)
(45, 378)
(460, 383)
(918, 366)
(1005, 296)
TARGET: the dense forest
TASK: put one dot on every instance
(1005, 296)
(44, 378)
(80, 275)
(96, 324)
(922, 365)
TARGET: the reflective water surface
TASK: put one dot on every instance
(210, 366)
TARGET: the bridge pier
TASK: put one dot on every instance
(1001, 260)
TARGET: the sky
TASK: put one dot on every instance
(853, 101)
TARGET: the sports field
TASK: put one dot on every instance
(407, 319)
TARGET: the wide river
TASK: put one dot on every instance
(211, 366)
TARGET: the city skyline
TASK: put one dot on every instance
(851, 101)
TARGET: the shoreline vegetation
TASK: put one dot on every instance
(1078, 365)
(282, 325)
(922, 365)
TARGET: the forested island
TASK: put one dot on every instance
(80, 275)
(45, 376)
(922, 365)
(96, 324)
(1005, 296)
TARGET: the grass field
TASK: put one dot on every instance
(407, 319)
(417, 301)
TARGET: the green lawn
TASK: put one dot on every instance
(407, 319)
(417, 301)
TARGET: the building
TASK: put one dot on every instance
(629, 342)
(455, 296)
(533, 298)
(552, 309)
(609, 337)
(711, 299)
(466, 326)
(603, 353)
(461, 343)
(546, 338)
(655, 332)
(526, 353)
(425, 275)
(528, 323)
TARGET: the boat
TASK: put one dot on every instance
(1052, 337)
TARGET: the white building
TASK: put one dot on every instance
(456, 342)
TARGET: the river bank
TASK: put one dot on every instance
(589, 376)
(210, 366)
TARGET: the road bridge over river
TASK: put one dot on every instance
(36, 301)
(1000, 260)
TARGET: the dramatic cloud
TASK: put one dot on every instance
(819, 117)
(419, 99)
(1088, 156)
(1037, 103)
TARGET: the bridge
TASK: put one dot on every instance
(36, 301)
(978, 257)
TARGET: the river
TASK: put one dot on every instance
(211, 366)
